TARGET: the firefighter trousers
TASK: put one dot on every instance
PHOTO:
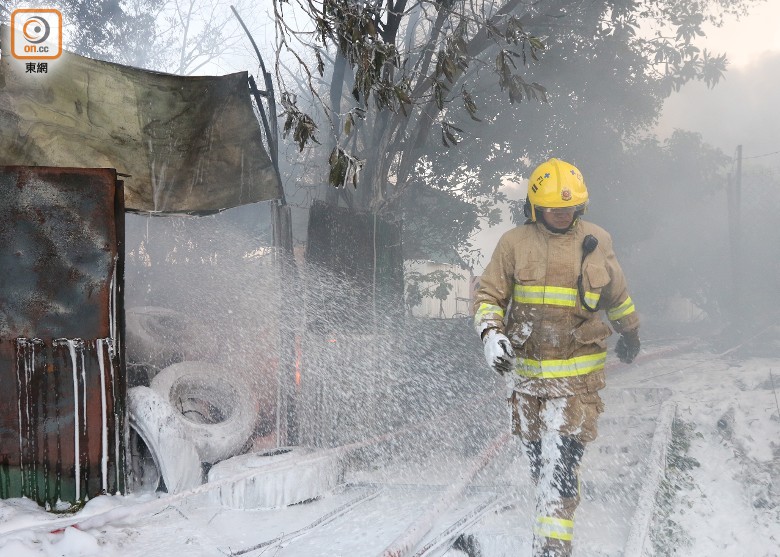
(554, 432)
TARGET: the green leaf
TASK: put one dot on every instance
(439, 64)
(337, 168)
(451, 137)
(402, 95)
(452, 127)
(500, 62)
(288, 123)
(439, 95)
(348, 123)
(449, 69)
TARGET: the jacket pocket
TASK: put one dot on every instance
(596, 276)
(531, 274)
(518, 332)
(593, 331)
(591, 407)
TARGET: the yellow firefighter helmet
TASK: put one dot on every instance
(554, 184)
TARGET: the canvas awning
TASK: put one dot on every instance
(189, 144)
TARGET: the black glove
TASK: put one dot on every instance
(627, 346)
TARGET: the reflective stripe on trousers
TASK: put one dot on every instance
(557, 528)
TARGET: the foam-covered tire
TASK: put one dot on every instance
(279, 477)
(157, 337)
(218, 407)
(162, 429)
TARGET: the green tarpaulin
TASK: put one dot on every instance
(189, 144)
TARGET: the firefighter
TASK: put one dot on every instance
(537, 311)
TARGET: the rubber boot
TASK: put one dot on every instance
(558, 499)
(468, 544)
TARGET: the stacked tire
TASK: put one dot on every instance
(193, 413)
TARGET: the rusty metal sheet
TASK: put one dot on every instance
(61, 256)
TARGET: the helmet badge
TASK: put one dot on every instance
(566, 194)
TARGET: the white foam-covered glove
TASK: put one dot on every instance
(498, 352)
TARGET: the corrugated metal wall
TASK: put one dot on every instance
(61, 347)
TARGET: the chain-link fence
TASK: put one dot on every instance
(755, 236)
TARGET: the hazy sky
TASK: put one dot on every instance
(740, 110)
(747, 39)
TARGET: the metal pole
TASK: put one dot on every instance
(282, 230)
(739, 174)
(273, 132)
(737, 246)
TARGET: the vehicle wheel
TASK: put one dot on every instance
(219, 407)
(159, 425)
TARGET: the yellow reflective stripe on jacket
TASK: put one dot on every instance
(551, 527)
(552, 295)
(553, 369)
(626, 308)
(485, 310)
(592, 299)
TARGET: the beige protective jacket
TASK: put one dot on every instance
(529, 292)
